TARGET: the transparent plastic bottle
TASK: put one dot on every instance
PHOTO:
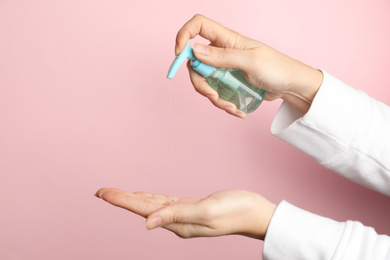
(232, 86)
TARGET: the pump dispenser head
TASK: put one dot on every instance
(203, 69)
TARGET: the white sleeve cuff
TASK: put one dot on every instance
(319, 127)
(344, 130)
(297, 234)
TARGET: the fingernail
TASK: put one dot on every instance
(153, 223)
(240, 114)
(201, 49)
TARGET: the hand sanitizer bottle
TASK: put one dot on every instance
(230, 84)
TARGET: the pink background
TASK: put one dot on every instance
(84, 104)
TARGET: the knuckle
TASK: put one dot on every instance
(224, 53)
(257, 57)
(175, 217)
(185, 232)
(198, 89)
(198, 17)
(183, 235)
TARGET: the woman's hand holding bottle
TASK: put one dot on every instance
(263, 66)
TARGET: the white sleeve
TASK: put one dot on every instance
(349, 132)
(297, 234)
(344, 130)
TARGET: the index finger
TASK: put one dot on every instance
(216, 33)
(137, 203)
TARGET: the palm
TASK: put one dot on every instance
(221, 213)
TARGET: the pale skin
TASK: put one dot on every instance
(231, 211)
(222, 213)
(264, 67)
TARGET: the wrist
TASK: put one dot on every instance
(304, 86)
(269, 213)
(257, 226)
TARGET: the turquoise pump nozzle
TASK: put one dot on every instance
(203, 69)
(230, 84)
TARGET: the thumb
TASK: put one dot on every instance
(228, 58)
(176, 213)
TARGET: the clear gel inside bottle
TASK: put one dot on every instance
(232, 86)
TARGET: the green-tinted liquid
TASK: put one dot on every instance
(232, 86)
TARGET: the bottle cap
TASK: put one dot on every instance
(203, 69)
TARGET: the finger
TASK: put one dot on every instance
(137, 204)
(207, 28)
(202, 87)
(229, 58)
(104, 190)
(160, 197)
(191, 230)
(163, 199)
(190, 213)
(200, 84)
